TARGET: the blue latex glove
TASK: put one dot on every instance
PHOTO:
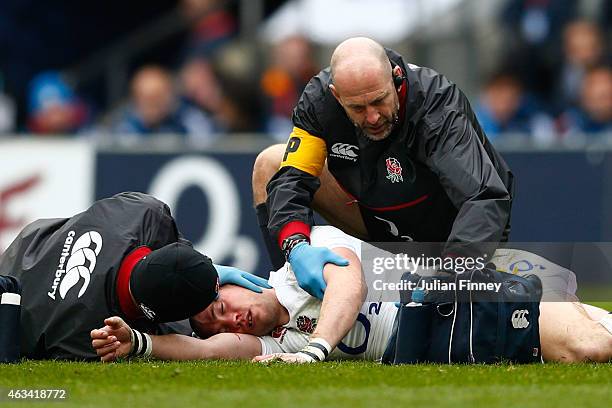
(235, 276)
(307, 263)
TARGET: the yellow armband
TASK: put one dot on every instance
(305, 152)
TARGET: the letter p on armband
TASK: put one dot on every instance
(305, 152)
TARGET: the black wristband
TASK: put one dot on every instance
(290, 242)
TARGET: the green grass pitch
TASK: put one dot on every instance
(354, 384)
(329, 384)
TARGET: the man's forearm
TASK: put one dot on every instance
(228, 346)
(178, 347)
(343, 298)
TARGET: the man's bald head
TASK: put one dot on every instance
(363, 85)
(357, 60)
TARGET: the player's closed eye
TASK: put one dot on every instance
(218, 309)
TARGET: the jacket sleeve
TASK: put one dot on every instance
(471, 182)
(291, 190)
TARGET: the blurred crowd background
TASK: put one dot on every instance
(203, 71)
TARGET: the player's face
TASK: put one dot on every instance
(372, 106)
(238, 310)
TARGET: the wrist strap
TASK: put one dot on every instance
(149, 348)
(142, 345)
(316, 350)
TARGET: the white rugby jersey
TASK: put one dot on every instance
(367, 339)
(558, 283)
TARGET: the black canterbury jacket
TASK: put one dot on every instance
(67, 291)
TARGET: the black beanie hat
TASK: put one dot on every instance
(173, 283)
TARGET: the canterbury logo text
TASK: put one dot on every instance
(345, 151)
(76, 261)
(519, 319)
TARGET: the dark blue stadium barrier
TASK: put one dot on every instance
(561, 196)
(195, 206)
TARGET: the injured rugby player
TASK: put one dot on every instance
(288, 324)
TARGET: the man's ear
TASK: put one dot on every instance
(398, 78)
(397, 71)
(334, 92)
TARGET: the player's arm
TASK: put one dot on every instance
(116, 339)
(345, 293)
(224, 346)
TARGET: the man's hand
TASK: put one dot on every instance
(308, 262)
(294, 358)
(113, 340)
(235, 276)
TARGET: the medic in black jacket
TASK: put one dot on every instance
(123, 256)
(420, 170)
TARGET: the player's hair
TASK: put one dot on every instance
(196, 330)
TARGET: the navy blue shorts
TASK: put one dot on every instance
(469, 327)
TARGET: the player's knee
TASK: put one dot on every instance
(581, 350)
(266, 165)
